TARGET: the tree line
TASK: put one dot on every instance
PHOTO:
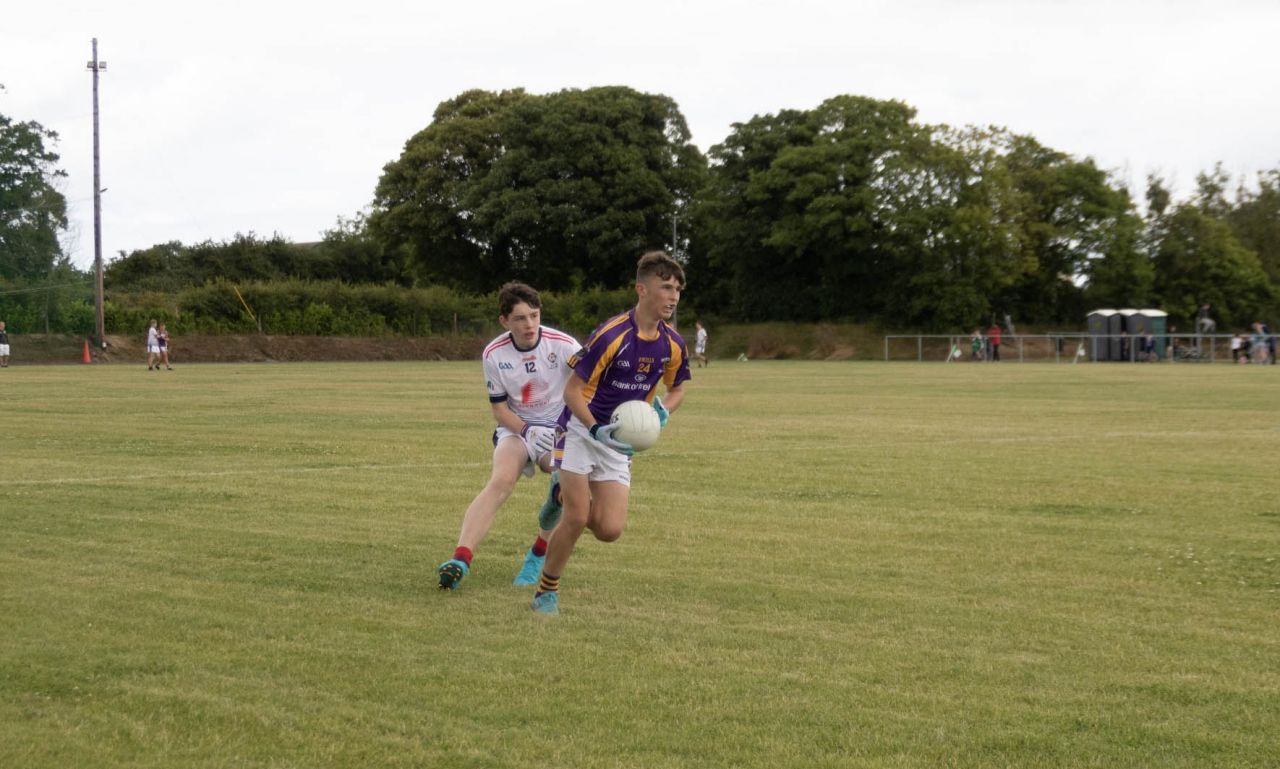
(853, 210)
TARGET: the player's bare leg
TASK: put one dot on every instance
(548, 517)
(597, 505)
(609, 500)
(509, 458)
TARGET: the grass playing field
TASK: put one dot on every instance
(827, 565)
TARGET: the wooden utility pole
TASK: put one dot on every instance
(100, 327)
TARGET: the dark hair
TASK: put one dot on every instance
(515, 292)
(661, 264)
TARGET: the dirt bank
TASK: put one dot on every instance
(60, 348)
(758, 341)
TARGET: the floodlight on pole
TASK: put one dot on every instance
(99, 324)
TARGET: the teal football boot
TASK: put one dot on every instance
(531, 570)
(551, 510)
(451, 573)
(546, 603)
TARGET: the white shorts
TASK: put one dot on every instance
(530, 467)
(153, 348)
(4, 350)
(700, 349)
(587, 456)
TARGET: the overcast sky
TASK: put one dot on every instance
(273, 117)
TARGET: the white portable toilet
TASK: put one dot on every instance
(1099, 327)
(1121, 349)
(1154, 322)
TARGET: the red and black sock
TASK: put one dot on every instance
(539, 546)
(463, 554)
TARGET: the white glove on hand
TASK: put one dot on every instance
(543, 439)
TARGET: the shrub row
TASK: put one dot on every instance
(296, 307)
(58, 312)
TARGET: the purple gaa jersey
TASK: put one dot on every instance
(618, 365)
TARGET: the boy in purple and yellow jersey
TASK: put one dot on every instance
(625, 359)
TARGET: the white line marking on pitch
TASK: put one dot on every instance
(230, 473)
(740, 450)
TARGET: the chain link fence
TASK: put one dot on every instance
(1080, 347)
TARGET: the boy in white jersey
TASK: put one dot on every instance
(625, 359)
(153, 347)
(525, 370)
(700, 345)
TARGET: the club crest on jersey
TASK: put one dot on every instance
(506, 366)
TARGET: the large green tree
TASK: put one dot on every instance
(854, 210)
(561, 190)
(1198, 260)
(423, 208)
(32, 211)
(1071, 218)
(1255, 220)
(950, 236)
(788, 220)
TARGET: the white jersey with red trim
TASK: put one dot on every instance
(530, 381)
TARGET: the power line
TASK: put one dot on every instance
(41, 207)
(50, 287)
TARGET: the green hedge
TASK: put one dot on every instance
(64, 318)
(34, 308)
(331, 308)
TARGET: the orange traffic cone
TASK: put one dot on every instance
(87, 359)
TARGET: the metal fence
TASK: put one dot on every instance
(1076, 347)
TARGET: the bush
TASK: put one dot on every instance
(578, 313)
(60, 304)
(298, 307)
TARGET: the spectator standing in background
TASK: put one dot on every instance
(153, 347)
(162, 338)
(700, 345)
(1258, 345)
(1204, 323)
(993, 334)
